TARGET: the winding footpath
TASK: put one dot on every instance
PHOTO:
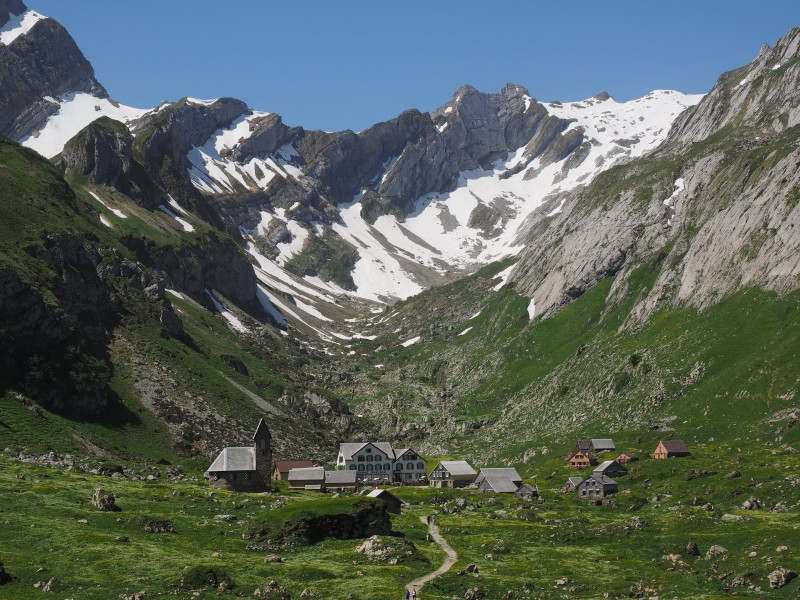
(449, 561)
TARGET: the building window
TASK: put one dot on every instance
(263, 444)
(378, 458)
(352, 467)
(369, 450)
(408, 475)
(361, 468)
(386, 466)
(421, 466)
(246, 476)
(360, 459)
(398, 467)
(369, 458)
(369, 467)
(410, 467)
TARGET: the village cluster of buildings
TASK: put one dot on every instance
(601, 482)
(373, 464)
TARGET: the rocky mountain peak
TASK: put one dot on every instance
(764, 95)
(37, 67)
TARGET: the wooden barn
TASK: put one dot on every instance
(581, 460)
(670, 449)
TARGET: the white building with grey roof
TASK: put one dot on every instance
(378, 463)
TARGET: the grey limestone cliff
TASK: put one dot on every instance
(716, 208)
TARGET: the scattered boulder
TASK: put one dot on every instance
(751, 504)
(51, 585)
(501, 546)
(306, 593)
(154, 525)
(692, 549)
(471, 568)
(780, 577)
(387, 549)
(104, 501)
(4, 577)
(742, 580)
(136, 596)
(715, 551)
(274, 558)
(708, 507)
(122, 538)
(273, 591)
(778, 549)
(474, 594)
(733, 475)
(200, 577)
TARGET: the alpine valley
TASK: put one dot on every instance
(491, 281)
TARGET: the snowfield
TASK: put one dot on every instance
(76, 111)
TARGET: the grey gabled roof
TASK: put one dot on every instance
(600, 478)
(340, 477)
(458, 468)
(601, 468)
(234, 458)
(499, 483)
(307, 474)
(575, 481)
(347, 449)
(526, 488)
(507, 472)
(601, 444)
(383, 494)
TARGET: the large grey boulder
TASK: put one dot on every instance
(104, 501)
(780, 577)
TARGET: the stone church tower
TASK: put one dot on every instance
(262, 441)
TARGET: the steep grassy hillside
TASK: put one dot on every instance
(96, 358)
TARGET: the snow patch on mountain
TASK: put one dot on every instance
(212, 172)
(18, 25)
(76, 111)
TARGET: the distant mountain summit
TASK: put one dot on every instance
(39, 61)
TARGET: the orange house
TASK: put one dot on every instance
(670, 448)
(581, 459)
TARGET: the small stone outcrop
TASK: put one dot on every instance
(780, 578)
(200, 577)
(105, 501)
(474, 594)
(272, 591)
(715, 551)
(387, 549)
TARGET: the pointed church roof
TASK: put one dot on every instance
(262, 424)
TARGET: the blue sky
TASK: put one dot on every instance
(335, 65)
